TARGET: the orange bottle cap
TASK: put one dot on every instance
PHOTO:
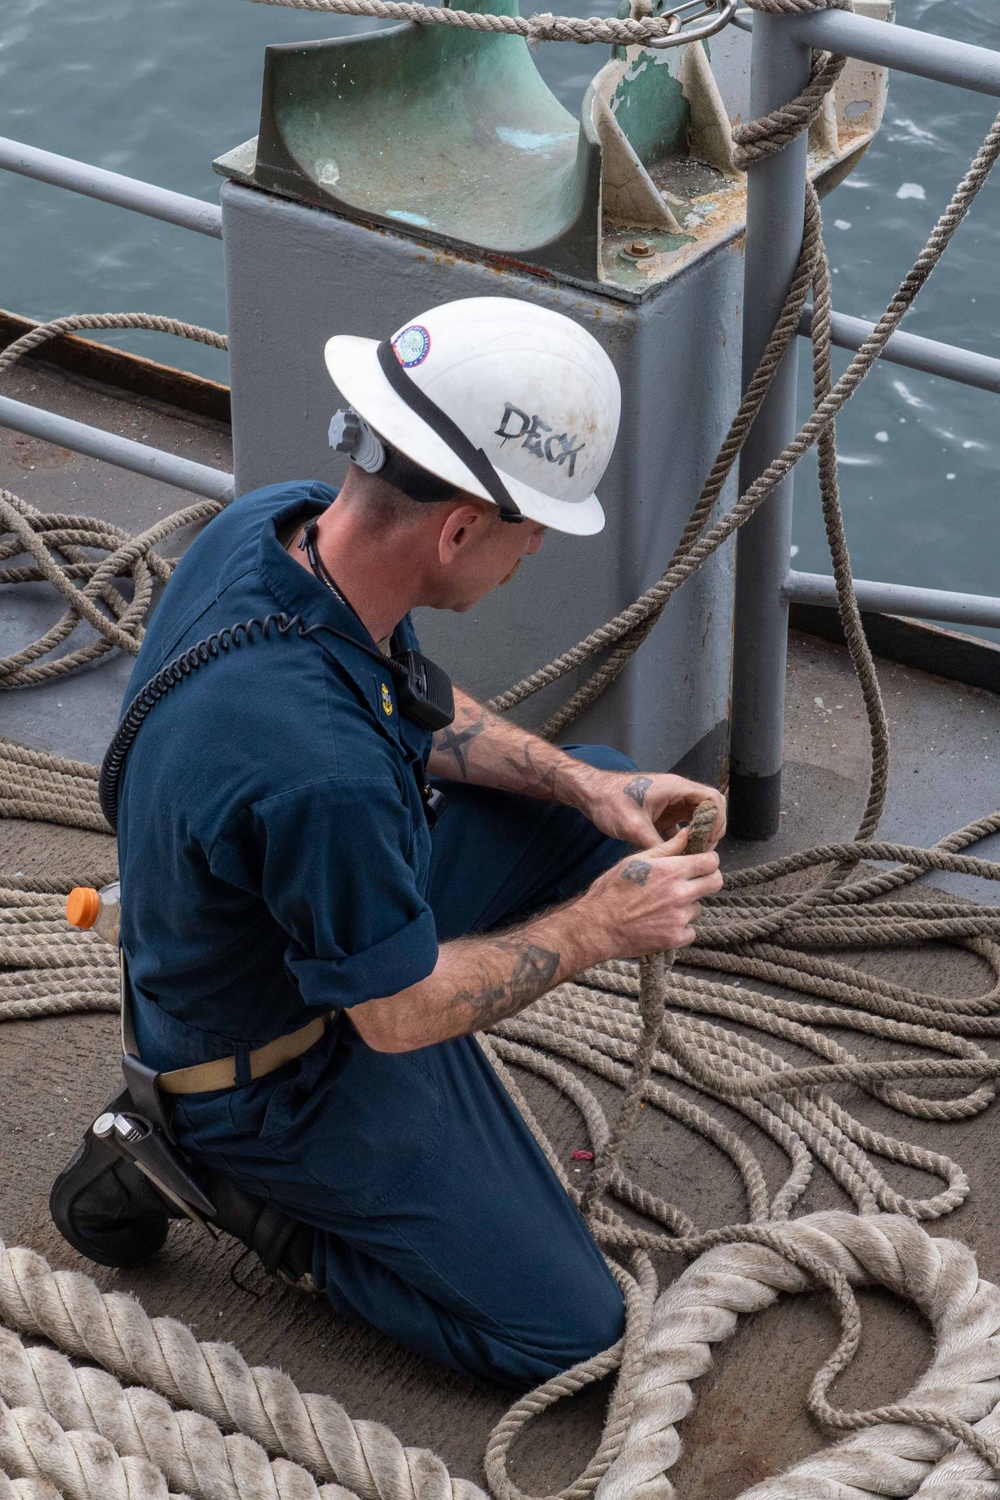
(83, 906)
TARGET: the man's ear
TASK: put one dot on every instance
(459, 529)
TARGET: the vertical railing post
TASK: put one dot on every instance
(775, 206)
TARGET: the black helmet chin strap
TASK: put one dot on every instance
(474, 459)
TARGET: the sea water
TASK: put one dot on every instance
(157, 88)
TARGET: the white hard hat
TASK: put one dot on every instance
(528, 388)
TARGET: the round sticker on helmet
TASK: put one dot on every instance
(412, 345)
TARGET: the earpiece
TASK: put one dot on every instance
(351, 434)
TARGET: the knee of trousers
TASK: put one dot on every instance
(597, 1323)
(601, 757)
(602, 1321)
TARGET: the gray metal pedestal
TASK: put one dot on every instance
(297, 274)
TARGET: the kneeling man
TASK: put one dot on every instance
(282, 861)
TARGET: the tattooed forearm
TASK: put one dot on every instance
(533, 971)
(482, 748)
(636, 872)
(534, 779)
(486, 1002)
(480, 980)
(636, 788)
(511, 974)
(455, 741)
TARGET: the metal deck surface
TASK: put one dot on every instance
(55, 1073)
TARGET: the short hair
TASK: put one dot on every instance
(387, 507)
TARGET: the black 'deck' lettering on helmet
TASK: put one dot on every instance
(539, 438)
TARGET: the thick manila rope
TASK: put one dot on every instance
(112, 1329)
(639, 1284)
(60, 545)
(894, 1449)
(576, 1378)
(757, 141)
(716, 1070)
(26, 1489)
(955, 1194)
(836, 1140)
(944, 1410)
(190, 1451)
(77, 1465)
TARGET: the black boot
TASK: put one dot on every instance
(104, 1205)
(110, 1212)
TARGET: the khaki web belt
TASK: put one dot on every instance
(202, 1078)
(221, 1072)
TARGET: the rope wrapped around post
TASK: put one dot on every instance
(545, 27)
(621, 636)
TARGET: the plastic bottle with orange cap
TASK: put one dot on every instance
(96, 911)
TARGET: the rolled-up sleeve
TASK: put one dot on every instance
(334, 861)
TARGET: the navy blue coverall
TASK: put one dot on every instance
(276, 863)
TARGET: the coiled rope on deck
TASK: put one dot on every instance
(614, 1022)
(49, 788)
(77, 1425)
(705, 1058)
(60, 546)
(596, 1023)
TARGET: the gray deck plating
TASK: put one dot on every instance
(56, 1073)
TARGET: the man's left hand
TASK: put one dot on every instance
(644, 809)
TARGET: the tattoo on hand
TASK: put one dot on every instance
(491, 1000)
(637, 788)
(636, 872)
(536, 780)
(456, 741)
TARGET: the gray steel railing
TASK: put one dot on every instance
(764, 583)
(111, 187)
(184, 473)
(897, 599)
(947, 360)
(158, 203)
(928, 56)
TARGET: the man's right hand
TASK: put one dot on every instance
(646, 903)
(650, 900)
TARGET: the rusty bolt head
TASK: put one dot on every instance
(639, 248)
